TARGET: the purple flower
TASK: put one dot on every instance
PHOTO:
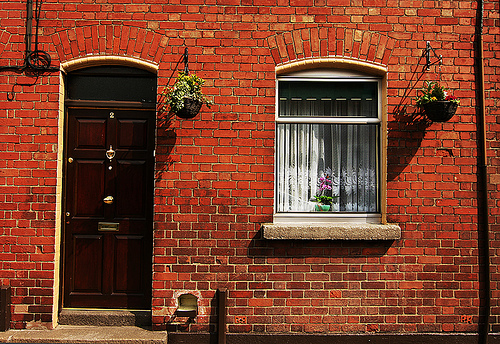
(324, 183)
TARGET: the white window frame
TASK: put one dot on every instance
(335, 75)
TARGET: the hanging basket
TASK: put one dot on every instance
(440, 111)
(190, 109)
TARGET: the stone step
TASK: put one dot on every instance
(65, 334)
(80, 317)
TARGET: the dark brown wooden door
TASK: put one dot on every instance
(108, 208)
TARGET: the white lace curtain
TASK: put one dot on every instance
(307, 151)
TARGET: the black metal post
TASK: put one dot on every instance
(4, 308)
(29, 26)
(221, 324)
(186, 68)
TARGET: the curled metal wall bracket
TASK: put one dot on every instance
(186, 68)
(427, 54)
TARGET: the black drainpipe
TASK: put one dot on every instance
(29, 27)
(483, 211)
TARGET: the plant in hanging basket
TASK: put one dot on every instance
(440, 111)
(438, 105)
(185, 97)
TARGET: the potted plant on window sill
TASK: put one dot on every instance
(185, 97)
(324, 186)
(439, 106)
(325, 202)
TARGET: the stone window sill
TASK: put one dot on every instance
(331, 231)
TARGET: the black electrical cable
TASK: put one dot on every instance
(10, 96)
(38, 59)
(36, 62)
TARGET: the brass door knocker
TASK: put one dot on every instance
(110, 153)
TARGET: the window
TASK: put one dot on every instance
(118, 83)
(328, 143)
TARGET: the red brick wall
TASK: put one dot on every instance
(28, 153)
(215, 174)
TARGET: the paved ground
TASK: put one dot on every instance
(86, 334)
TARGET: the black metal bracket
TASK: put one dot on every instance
(428, 63)
(427, 54)
(36, 62)
(186, 58)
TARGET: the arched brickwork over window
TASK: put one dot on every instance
(321, 42)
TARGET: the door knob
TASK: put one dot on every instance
(109, 200)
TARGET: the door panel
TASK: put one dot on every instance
(91, 133)
(88, 263)
(89, 190)
(128, 247)
(109, 200)
(132, 134)
(130, 201)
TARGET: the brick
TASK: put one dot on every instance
(215, 174)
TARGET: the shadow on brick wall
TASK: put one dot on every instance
(165, 142)
(404, 138)
(317, 251)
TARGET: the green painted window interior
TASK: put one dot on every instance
(328, 99)
(116, 83)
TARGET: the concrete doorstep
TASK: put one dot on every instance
(86, 334)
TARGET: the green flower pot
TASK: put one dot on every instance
(322, 207)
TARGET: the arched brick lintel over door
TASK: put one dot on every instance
(110, 40)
